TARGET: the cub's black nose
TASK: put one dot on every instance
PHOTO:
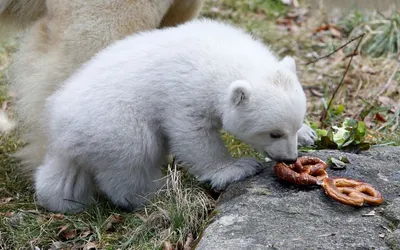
(289, 161)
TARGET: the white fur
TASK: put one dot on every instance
(167, 91)
(60, 36)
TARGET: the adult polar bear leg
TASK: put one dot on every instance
(306, 136)
(203, 150)
(62, 186)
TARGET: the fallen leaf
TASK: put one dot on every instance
(368, 70)
(167, 246)
(113, 220)
(379, 117)
(65, 233)
(85, 233)
(336, 163)
(34, 242)
(62, 229)
(9, 214)
(57, 216)
(335, 32)
(70, 234)
(179, 245)
(90, 246)
(322, 28)
(6, 200)
(188, 243)
(315, 92)
(387, 101)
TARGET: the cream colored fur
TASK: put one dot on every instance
(18, 14)
(60, 37)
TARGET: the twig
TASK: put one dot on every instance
(336, 50)
(325, 112)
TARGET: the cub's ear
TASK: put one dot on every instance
(239, 92)
(289, 63)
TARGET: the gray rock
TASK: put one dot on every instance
(392, 212)
(393, 240)
(264, 212)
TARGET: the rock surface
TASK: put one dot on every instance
(264, 212)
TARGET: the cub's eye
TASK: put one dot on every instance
(275, 135)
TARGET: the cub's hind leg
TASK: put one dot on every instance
(130, 173)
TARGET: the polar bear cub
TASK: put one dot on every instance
(112, 123)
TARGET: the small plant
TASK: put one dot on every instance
(350, 136)
(352, 20)
(382, 34)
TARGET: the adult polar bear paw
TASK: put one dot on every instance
(306, 136)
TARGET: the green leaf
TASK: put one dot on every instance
(338, 110)
(348, 142)
(340, 135)
(326, 143)
(350, 136)
(344, 159)
(336, 163)
(361, 131)
(321, 132)
(349, 123)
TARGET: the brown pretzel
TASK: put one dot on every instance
(351, 192)
(306, 170)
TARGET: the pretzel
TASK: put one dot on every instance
(311, 170)
(306, 170)
(351, 192)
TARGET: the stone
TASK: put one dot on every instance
(393, 240)
(264, 212)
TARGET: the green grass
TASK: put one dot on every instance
(170, 216)
(382, 32)
(186, 207)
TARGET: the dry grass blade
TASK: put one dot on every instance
(175, 212)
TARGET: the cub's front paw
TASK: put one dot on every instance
(306, 136)
(238, 170)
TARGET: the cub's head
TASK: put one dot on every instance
(267, 113)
